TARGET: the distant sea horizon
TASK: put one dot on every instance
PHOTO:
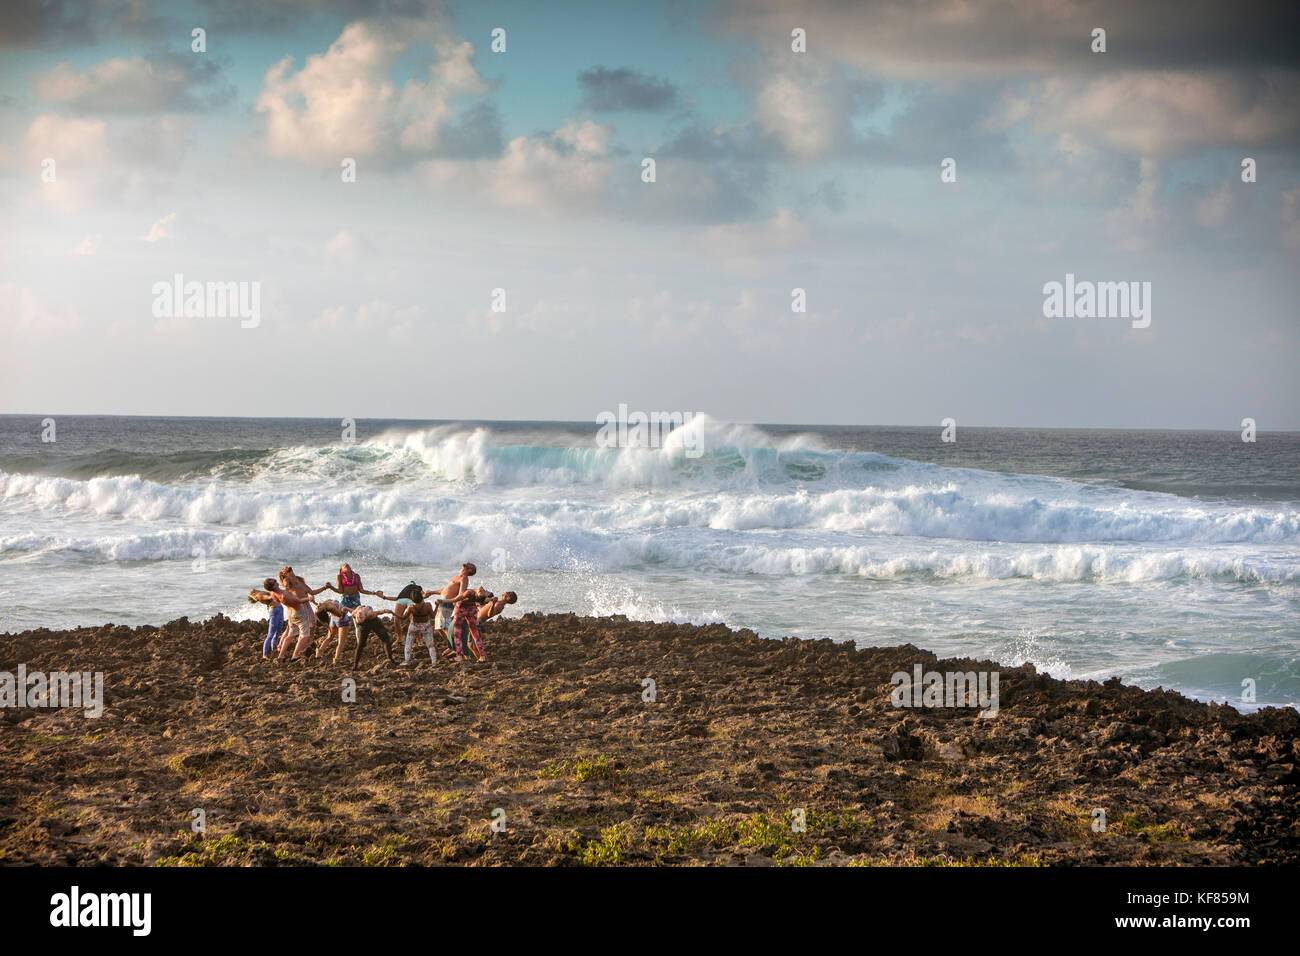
(1218, 429)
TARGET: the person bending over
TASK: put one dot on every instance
(363, 619)
(275, 626)
(297, 611)
(414, 613)
(458, 585)
(465, 621)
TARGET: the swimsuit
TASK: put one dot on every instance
(348, 600)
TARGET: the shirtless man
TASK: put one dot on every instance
(493, 607)
(297, 609)
(455, 587)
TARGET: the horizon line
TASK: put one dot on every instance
(593, 423)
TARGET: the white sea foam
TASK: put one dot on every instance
(784, 535)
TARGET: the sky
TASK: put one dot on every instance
(500, 254)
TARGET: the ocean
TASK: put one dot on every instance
(1166, 558)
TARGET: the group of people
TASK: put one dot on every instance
(457, 611)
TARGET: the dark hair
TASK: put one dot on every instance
(473, 568)
(270, 584)
(322, 616)
(412, 591)
(511, 597)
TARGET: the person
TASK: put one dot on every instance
(493, 608)
(296, 597)
(365, 621)
(446, 609)
(413, 613)
(276, 624)
(348, 586)
(465, 621)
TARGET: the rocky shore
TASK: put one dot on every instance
(605, 741)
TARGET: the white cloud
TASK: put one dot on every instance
(1164, 114)
(784, 231)
(116, 84)
(161, 229)
(88, 246)
(24, 312)
(73, 146)
(342, 103)
(344, 245)
(69, 141)
(801, 107)
(1133, 223)
(569, 167)
(377, 317)
(567, 170)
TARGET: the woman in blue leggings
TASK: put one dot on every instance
(276, 626)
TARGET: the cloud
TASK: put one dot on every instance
(345, 245)
(1176, 77)
(98, 159)
(781, 233)
(169, 84)
(343, 102)
(925, 40)
(65, 139)
(64, 23)
(161, 229)
(624, 89)
(1289, 215)
(73, 146)
(38, 22)
(1168, 113)
(25, 312)
(377, 317)
(1213, 208)
(809, 106)
(753, 322)
(567, 170)
(475, 134)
